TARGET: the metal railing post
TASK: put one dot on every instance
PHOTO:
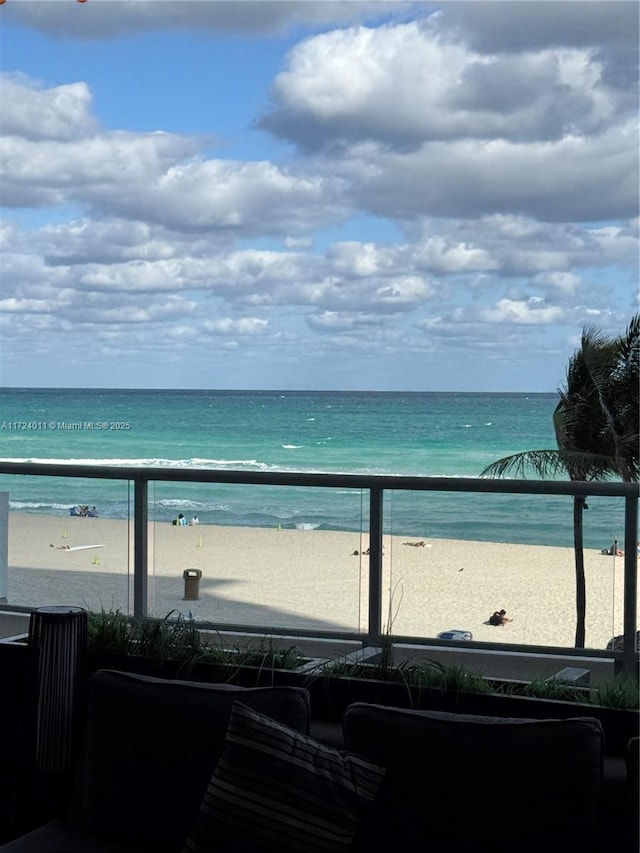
(140, 546)
(375, 567)
(630, 584)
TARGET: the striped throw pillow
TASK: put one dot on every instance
(275, 790)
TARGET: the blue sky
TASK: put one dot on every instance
(349, 195)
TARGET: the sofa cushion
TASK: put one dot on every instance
(151, 747)
(467, 782)
(277, 791)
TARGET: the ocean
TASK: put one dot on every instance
(417, 434)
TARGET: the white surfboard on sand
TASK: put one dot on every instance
(82, 547)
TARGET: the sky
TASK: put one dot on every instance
(314, 195)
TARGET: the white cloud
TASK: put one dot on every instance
(243, 326)
(426, 125)
(573, 179)
(258, 198)
(333, 321)
(532, 311)
(443, 255)
(356, 259)
(153, 177)
(97, 169)
(408, 85)
(30, 111)
(350, 281)
(25, 306)
(565, 282)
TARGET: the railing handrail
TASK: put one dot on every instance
(325, 480)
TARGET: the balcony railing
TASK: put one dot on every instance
(375, 487)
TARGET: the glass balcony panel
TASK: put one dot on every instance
(73, 547)
(604, 525)
(453, 559)
(269, 556)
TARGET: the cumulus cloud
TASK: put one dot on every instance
(93, 170)
(565, 282)
(333, 321)
(434, 89)
(573, 179)
(252, 197)
(108, 241)
(58, 113)
(243, 326)
(523, 246)
(358, 259)
(349, 279)
(152, 177)
(429, 125)
(533, 311)
(446, 255)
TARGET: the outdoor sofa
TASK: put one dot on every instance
(171, 766)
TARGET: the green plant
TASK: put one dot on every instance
(268, 656)
(621, 692)
(443, 677)
(423, 675)
(350, 669)
(544, 688)
(109, 631)
(177, 638)
(168, 638)
(262, 654)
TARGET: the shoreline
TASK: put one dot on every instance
(312, 579)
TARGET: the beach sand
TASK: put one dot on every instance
(313, 580)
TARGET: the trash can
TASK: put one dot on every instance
(191, 584)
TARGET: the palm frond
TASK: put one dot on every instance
(543, 463)
(550, 464)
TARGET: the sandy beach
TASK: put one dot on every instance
(313, 579)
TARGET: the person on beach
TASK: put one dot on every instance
(195, 520)
(614, 551)
(419, 544)
(60, 547)
(499, 617)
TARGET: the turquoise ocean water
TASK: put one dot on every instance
(422, 434)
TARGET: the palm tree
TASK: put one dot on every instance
(596, 428)
(614, 368)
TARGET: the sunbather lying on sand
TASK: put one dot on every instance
(420, 544)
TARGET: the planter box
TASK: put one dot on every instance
(209, 673)
(332, 694)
